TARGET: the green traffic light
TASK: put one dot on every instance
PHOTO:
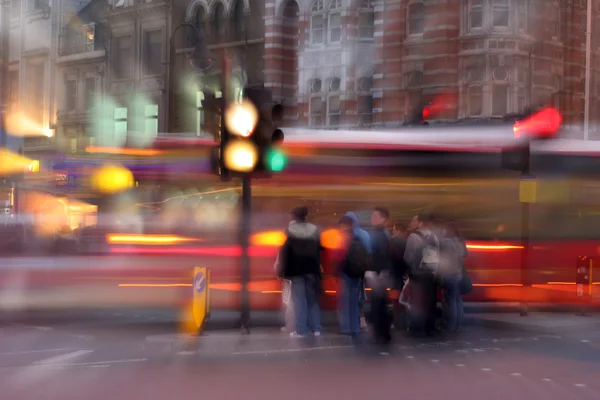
(276, 160)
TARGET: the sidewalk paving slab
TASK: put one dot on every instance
(537, 322)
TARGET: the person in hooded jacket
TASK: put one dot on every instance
(300, 260)
(348, 284)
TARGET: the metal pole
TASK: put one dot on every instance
(245, 261)
(588, 65)
(4, 76)
(171, 86)
(525, 236)
(530, 80)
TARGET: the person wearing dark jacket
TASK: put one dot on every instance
(380, 274)
(300, 259)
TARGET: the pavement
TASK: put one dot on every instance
(91, 359)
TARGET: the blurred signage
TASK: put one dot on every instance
(528, 191)
(61, 179)
(201, 300)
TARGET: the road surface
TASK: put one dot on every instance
(95, 360)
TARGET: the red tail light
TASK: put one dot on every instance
(542, 124)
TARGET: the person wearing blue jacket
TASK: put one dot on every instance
(350, 287)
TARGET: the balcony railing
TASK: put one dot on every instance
(78, 40)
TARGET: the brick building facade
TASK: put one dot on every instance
(353, 63)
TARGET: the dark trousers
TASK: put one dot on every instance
(426, 286)
(380, 315)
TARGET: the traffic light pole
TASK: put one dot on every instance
(245, 259)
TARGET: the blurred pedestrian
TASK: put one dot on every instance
(352, 265)
(300, 258)
(422, 257)
(453, 251)
(365, 240)
(380, 276)
(286, 295)
(400, 309)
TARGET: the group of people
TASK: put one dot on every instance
(420, 260)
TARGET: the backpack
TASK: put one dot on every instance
(430, 254)
(357, 259)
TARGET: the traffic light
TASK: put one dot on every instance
(539, 125)
(249, 138)
(420, 115)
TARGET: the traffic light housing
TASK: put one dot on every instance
(267, 135)
(249, 137)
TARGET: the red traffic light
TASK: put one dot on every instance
(426, 113)
(542, 124)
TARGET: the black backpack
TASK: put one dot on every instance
(357, 259)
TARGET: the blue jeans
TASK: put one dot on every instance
(453, 305)
(349, 301)
(305, 298)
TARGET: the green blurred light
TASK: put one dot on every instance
(276, 161)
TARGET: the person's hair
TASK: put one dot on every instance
(346, 220)
(452, 229)
(300, 214)
(426, 218)
(400, 227)
(383, 212)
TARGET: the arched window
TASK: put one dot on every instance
(238, 20)
(317, 23)
(366, 20)
(218, 21)
(335, 21)
(200, 23)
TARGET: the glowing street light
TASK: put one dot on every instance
(241, 118)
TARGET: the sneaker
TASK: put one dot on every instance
(317, 334)
(296, 335)
(284, 329)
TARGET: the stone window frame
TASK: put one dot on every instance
(333, 93)
(315, 90)
(335, 9)
(475, 7)
(366, 12)
(317, 12)
(411, 18)
(71, 79)
(499, 6)
(480, 95)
